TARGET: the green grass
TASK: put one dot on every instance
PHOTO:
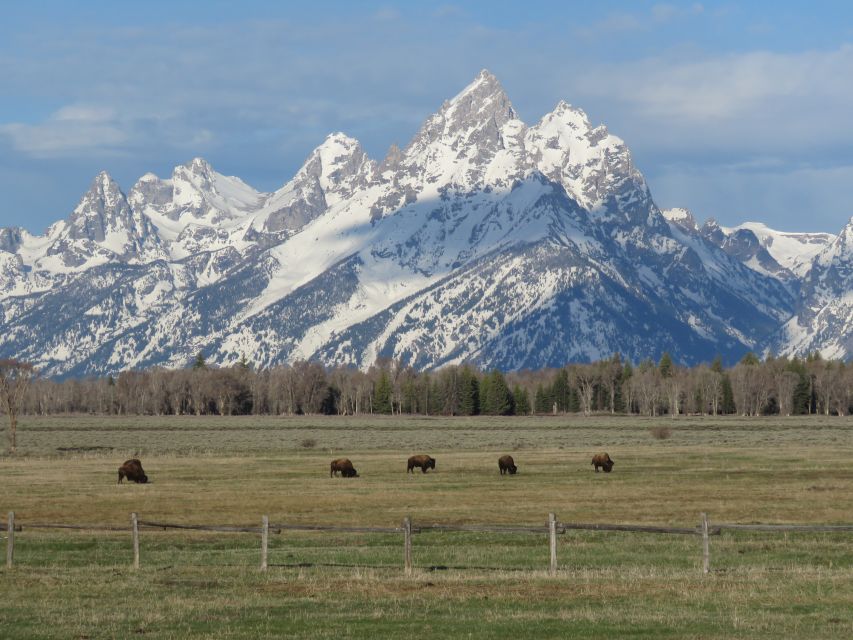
(73, 584)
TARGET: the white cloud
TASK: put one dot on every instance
(733, 86)
(73, 129)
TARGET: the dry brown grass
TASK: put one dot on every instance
(334, 585)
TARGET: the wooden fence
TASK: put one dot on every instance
(552, 529)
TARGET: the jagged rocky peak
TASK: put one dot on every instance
(840, 250)
(594, 166)
(340, 166)
(197, 172)
(713, 232)
(829, 281)
(484, 101)
(152, 191)
(571, 117)
(103, 208)
(333, 172)
(681, 217)
(469, 124)
(196, 190)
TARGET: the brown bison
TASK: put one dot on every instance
(132, 470)
(424, 462)
(344, 466)
(602, 460)
(507, 465)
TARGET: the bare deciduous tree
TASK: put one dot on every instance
(15, 377)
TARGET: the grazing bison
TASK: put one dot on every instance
(507, 465)
(602, 460)
(424, 462)
(132, 470)
(344, 466)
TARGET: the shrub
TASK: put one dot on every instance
(660, 433)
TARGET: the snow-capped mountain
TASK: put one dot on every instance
(824, 319)
(781, 254)
(484, 239)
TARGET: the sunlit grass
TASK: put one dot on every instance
(75, 584)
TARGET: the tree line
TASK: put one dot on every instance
(752, 387)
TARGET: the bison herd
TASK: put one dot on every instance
(132, 469)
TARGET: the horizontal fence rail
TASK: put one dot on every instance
(807, 528)
(636, 528)
(331, 527)
(480, 528)
(551, 528)
(219, 528)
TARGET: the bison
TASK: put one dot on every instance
(602, 460)
(507, 465)
(344, 466)
(424, 462)
(132, 470)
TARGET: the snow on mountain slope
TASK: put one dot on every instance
(334, 172)
(792, 250)
(197, 209)
(824, 319)
(482, 239)
(593, 166)
(102, 229)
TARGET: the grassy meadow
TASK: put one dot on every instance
(232, 470)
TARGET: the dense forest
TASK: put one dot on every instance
(752, 387)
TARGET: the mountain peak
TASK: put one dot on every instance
(572, 117)
(682, 217)
(198, 166)
(339, 137)
(103, 182)
(484, 81)
(483, 98)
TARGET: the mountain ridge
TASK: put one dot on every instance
(483, 239)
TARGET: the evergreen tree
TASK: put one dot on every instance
(728, 404)
(750, 359)
(437, 398)
(561, 391)
(329, 405)
(717, 365)
(382, 394)
(497, 399)
(199, 362)
(574, 401)
(469, 392)
(410, 396)
(665, 365)
(802, 391)
(542, 403)
(522, 401)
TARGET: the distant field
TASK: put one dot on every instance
(233, 470)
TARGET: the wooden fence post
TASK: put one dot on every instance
(10, 541)
(134, 526)
(407, 545)
(552, 531)
(265, 538)
(706, 545)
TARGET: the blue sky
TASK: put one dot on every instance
(736, 110)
